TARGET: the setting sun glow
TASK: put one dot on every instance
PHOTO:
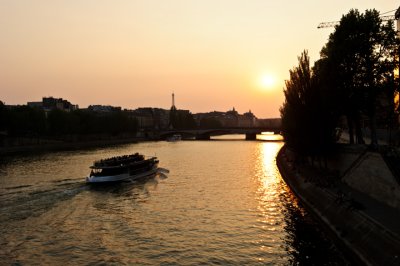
(267, 81)
(134, 54)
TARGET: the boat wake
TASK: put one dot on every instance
(161, 170)
(162, 173)
(26, 201)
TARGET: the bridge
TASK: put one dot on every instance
(205, 134)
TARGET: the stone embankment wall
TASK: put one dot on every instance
(366, 172)
(369, 241)
(53, 145)
(371, 175)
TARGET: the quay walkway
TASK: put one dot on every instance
(368, 229)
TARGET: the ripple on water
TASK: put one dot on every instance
(223, 202)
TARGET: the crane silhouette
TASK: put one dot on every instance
(384, 18)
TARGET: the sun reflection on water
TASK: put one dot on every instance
(267, 172)
(224, 203)
(272, 190)
(270, 136)
(269, 187)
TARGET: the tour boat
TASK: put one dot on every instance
(123, 168)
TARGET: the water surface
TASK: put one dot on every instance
(223, 202)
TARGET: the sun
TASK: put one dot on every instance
(267, 81)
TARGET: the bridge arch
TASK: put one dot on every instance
(206, 134)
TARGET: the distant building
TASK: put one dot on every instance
(232, 112)
(145, 117)
(151, 118)
(228, 119)
(247, 120)
(50, 103)
(161, 117)
(104, 108)
(35, 104)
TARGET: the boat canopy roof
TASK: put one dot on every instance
(120, 161)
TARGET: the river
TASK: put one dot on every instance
(223, 203)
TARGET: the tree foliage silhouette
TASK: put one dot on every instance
(25, 121)
(362, 56)
(354, 77)
(308, 122)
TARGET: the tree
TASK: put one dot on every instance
(3, 116)
(87, 122)
(62, 123)
(25, 121)
(361, 54)
(308, 122)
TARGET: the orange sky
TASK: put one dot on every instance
(211, 53)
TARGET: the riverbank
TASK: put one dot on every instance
(65, 145)
(363, 222)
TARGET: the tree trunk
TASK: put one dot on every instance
(374, 138)
(359, 135)
(350, 126)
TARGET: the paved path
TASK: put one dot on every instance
(368, 228)
(378, 212)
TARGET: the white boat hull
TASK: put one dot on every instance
(121, 177)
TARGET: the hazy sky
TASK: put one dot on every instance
(211, 53)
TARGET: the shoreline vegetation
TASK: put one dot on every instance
(353, 189)
(38, 145)
(30, 129)
(352, 86)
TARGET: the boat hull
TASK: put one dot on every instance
(121, 177)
